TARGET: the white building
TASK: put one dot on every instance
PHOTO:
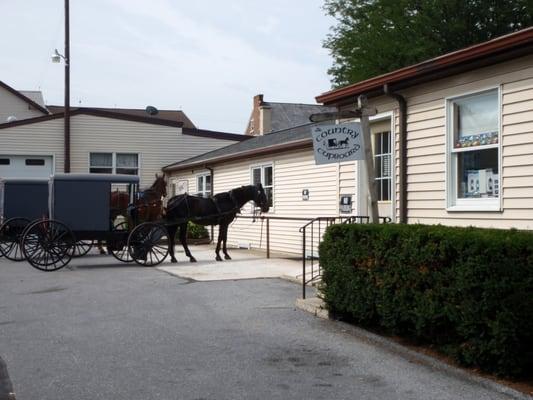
(107, 141)
(462, 117)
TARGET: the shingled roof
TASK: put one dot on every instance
(270, 116)
(287, 139)
(288, 115)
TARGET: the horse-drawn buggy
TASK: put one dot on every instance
(22, 200)
(74, 210)
(79, 211)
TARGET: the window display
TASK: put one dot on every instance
(474, 149)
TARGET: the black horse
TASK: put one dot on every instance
(220, 209)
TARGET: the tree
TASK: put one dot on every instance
(373, 37)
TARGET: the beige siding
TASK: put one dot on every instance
(426, 146)
(293, 172)
(43, 138)
(157, 145)
(13, 105)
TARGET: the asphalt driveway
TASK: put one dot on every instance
(127, 332)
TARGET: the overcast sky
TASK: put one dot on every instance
(208, 58)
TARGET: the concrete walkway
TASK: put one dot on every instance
(245, 264)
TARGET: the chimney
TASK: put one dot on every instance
(255, 126)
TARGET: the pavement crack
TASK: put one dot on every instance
(49, 290)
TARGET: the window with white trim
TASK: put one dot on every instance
(382, 164)
(114, 163)
(263, 174)
(474, 151)
(203, 185)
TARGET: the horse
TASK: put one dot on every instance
(344, 142)
(220, 209)
(148, 206)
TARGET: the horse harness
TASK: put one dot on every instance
(219, 213)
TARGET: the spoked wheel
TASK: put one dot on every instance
(81, 248)
(118, 244)
(148, 244)
(48, 245)
(11, 233)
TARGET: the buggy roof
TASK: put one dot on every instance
(112, 178)
(24, 180)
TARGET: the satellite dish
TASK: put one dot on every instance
(11, 118)
(151, 110)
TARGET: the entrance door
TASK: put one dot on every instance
(382, 150)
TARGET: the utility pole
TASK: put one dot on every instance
(67, 88)
(369, 159)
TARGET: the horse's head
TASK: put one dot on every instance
(260, 198)
(160, 185)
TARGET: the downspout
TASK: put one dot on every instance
(402, 105)
(212, 174)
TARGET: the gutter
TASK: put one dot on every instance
(212, 174)
(402, 105)
(513, 45)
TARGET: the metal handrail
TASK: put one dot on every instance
(321, 223)
(352, 219)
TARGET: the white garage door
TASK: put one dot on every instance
(25, 166)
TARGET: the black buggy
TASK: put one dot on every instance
(22, 200)
(80, 209)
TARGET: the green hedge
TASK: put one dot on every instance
(468, 291)
(195, 231)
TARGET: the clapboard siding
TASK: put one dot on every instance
(426, 138)
(11, 105)
(157, 145)
(43, 138)
(293, 172)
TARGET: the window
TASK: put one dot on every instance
(263, 174)
(180, 187)
(474, 151)
(127, 163)
(101, 163)
(5, 161)
(203, 185)
(34, 162)
(114, 163)
(382, 164)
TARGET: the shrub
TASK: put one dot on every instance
(468, 291)
(195, 231)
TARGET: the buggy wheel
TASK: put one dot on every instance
(148, 244)
(48, 245)
(118, 245)
(11, 232)
(81, 248)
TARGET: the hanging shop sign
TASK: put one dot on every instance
(336, 143)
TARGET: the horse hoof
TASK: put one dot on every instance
(192, 259)
(174, 261)
(227, 257)
(218, 258)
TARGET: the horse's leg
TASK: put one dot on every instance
(172, 229)
(183, 239)
(225, 243)
(217, 250)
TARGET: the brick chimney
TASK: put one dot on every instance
(260, 119)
